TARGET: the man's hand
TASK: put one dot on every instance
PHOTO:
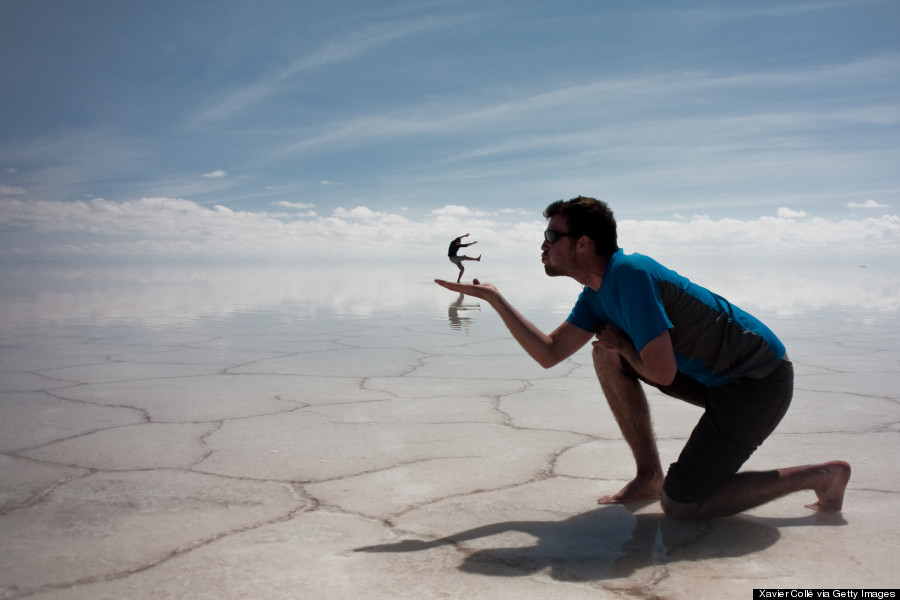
(656, 360)
(547, 350)
(611, 339)
(485, 291)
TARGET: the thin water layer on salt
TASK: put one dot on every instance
(281, 431)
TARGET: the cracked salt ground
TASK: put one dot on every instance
(189, 439)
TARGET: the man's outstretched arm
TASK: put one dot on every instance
(547, 350)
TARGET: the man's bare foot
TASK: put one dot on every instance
(831, 492)
(634, 490)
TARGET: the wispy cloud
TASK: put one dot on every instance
(544, 111)
(750, 10)
(72, 162)
(217, 174)
(6, 190)
(636, 135)
(346, 47)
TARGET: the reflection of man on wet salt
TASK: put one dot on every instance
(455, 245)
(654, 326)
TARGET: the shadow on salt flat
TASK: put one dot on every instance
(610, 543)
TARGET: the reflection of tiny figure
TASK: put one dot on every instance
(455, 245)
(457, 321)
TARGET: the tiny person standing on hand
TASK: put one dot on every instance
(455, 245)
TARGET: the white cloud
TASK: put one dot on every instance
(360, 212)
(297, 205)
(215, 174)
(177, 227)
(867, 204)
(789, 213)
(766, 238)
(453, 210)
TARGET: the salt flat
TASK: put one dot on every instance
(285, 433)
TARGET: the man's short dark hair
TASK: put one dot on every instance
(590, 217)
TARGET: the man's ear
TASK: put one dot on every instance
(585, 244)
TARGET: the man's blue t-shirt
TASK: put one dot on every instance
(715, 342)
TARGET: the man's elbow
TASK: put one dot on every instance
(548, 361)
(666, 376)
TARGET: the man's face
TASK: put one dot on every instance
(558, 257)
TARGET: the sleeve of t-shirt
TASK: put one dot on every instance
(642, 314)
(583, 315)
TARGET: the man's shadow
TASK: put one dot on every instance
(610, 543)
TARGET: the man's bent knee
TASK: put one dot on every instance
(607, 359)
(678, 510)
(612, 363)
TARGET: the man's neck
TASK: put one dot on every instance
(591, 273)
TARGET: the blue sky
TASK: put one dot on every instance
(248, 127)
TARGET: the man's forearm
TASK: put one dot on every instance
(547, 350)
(630, 354)
(535, 342)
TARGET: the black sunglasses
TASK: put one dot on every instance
(551, 236)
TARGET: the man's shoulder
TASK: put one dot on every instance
(623, 264)
(635, 259)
